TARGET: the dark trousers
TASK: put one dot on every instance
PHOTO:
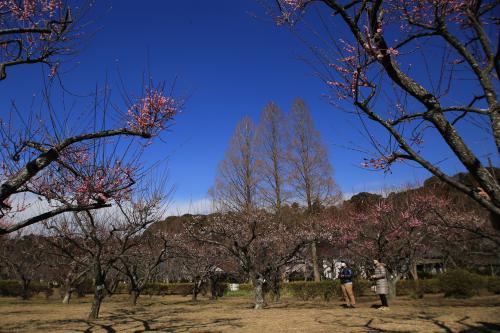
(383, 299)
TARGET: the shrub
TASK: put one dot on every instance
(361, 287)
(494, 284)
(85, 287)
(122, 288)
(222, 288)
(310, 290)
(417, 288)
(155, 288)
(13, 288)
(180, 288)
(246, 287)
(460, 283)
(405, 287)
(10, 288)
(36, 287)
(159, 288)
(431, 286)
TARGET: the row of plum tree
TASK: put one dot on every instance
(399, 229)
(257, 246)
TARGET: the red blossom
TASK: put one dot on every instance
(29, 10)
(152, 113)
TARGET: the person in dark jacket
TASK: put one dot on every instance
(346, 275)
(382, 284)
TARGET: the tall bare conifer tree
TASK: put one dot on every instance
(272, 148)
(310, 170)
(236, 183)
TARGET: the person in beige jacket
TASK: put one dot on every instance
(382, 284)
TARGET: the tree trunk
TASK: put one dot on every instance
(413, 271)
(96, 303)
(277, 292)
(276, 286)
(314, 257)
(196, 290)
(25, 292)
(68, 290)
(392, 285)
(67, 295)
(258, 283)
(214, 288)
(134, 295)
(99, 290)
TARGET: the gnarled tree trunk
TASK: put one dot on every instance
(68, 291)
(258, 284)
(96, 303)
(214, 287)
(314, 257)
(393, 280)
(99, 293)
(196, 289)
(413, 271)
(67, 296)
(134, 295)
(25, 292)
(276, 285)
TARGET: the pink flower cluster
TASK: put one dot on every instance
(27, 10)
(424, 12)
(152, 112)
(294, 4)
(380, 163)
(78, 180)
(104, 184)
(348, 69)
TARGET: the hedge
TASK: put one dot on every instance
(494, 284)
(159, 288)
(184, 288)
(85, 287)
(305, 291)
(454, 283)
(417, 288)
(13, 288)
(326, 289)
(460, 283)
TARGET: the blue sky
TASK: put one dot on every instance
(229, 63)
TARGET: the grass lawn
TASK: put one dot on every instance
(234, 314)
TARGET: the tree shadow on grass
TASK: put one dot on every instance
(66, 324)
(300, 306)
(136, 324)
(365, 324)
(92, 326)
(483, 327)
(180, 325)
(480, 327)
(389, 322)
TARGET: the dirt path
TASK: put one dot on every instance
(178, 314)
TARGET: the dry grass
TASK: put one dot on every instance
(179, 314)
